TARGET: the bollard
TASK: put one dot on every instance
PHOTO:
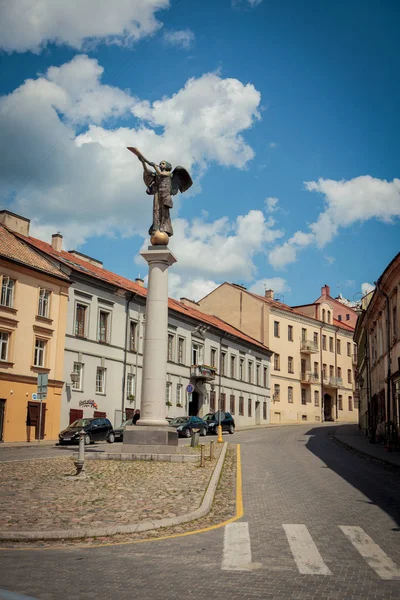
(220, 439)
(211, 450)
(195, 439)
(202, 457)
(80, 463)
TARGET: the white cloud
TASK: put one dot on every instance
(61, 165)
(32, 24)
(183, 38)
(221, 249)
(355, 200)
(366, 288)
(277, 284)
(271, 203)
(346, 202)
(193, 288)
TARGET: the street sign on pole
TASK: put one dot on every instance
(190, 388)
(43, 380)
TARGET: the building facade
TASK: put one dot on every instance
(227, 368)
(33, 310)
(377, 333)
(312, 372)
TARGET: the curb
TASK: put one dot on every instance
(385, 463)
(68, 534)
(149, 457)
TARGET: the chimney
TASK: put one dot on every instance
(139, 281)
(269, 294)
(15, 222)
(326, 290)
(190, 303)
(56, 241)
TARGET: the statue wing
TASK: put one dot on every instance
(180, 180)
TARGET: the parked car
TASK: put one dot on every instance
(96, 430)
(227, 422)
(185, 426)
(119, 431)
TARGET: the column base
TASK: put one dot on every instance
(150, 436)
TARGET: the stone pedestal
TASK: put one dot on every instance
(152, 427)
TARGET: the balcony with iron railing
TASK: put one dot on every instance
(308, 347)
(204, 372)
(309, 377)
(333, 382)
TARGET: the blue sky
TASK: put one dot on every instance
(285, 113)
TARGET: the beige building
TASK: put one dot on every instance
(377, 333)
(312, 374)
(33, 312)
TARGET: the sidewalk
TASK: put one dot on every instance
(34, 444)
(352, 436)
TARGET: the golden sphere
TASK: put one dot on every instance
(159, 238)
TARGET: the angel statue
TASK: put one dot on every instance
(162, 183)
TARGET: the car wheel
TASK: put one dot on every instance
(188, 433)
(111, 438)
(231, 429)
(87, 440)
(203, 431)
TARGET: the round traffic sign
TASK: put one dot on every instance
(190, 388)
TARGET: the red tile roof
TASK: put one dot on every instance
(291, 309)
(122, 282)
(13, 248)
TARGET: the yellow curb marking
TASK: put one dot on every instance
(239, 515)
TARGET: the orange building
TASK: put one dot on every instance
(33, 312)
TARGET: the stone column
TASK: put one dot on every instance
(152, 427)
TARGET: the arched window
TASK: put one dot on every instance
(329, 316)
(323, 314)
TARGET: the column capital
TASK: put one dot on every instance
(159, 254)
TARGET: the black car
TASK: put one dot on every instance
(185, 426)
(227, 422)
(119, 431)
(96, 430)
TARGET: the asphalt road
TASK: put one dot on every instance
(319, 522)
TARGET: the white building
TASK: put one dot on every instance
(104, 350)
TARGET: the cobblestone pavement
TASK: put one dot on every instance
(319, 522)
(43, 498)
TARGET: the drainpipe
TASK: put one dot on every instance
(336, 377)
(129, 297)
(220, 439)
(388, 426)
(322, 373)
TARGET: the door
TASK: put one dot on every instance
(194, 404)
(2, 411)
(33, 418)
(75, 414)
(328, 408)
(258, 412)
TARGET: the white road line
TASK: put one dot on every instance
(305, 552)
(237, 549)
(373, 554)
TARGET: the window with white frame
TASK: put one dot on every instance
(103, 334)
(132, 335)
(277, 364)
(130, 385)
(178, 394)
(303, 396)
(171, 347)
(290, 333)
(316, 398)
(40, 348)
(290, 394)
(258, 367)
(265, 376)
(100, 380)
(7, 292)
(290, 364)
(233, 366)
(181, 351)
(241, 369)
(277, 392)
(197, 353)
(4, 340)
(223, 362)
(44, 303)
(250, 372)
(78, 385)
(80, 320)
(168, 388)
(213, 357)
(276, 328)
(316, 339)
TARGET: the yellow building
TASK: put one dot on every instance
(33, 311)
(312, 376)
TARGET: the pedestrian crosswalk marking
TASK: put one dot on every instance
(373, 554)
(305, 552)
(237, 549)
